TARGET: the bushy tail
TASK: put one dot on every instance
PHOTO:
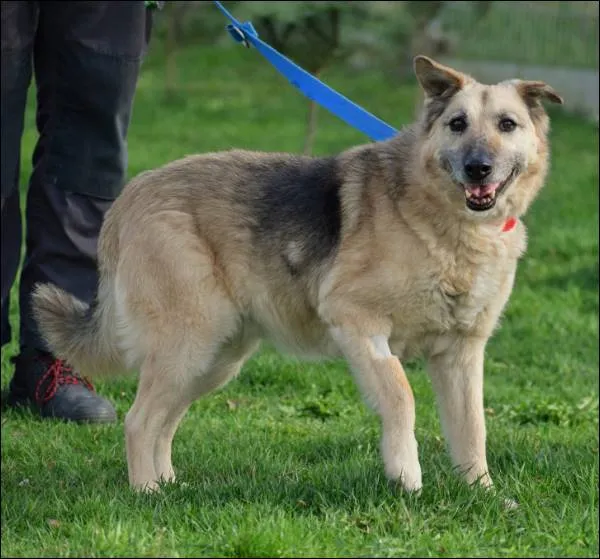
(82, 335)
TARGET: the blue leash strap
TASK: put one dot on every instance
(310, 86)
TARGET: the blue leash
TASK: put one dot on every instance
(310, 86)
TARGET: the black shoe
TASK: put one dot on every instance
(51, 387)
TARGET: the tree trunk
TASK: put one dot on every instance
(311, 125)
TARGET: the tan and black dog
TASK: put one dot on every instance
(386, 251)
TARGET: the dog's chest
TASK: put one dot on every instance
(468, 297)
(454, 299)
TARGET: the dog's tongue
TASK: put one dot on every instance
(482, 190)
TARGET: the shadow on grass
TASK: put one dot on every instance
(316, 477)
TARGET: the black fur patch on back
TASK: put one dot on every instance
(298, 213)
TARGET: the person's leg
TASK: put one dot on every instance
(19, 21)
(87, 60)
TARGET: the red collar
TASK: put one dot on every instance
(509, 224)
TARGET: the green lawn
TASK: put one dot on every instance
(284, 461)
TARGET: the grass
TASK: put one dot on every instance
(284, 461)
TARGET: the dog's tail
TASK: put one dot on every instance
(82, 334)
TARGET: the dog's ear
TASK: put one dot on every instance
(533, 92)
(436, 79)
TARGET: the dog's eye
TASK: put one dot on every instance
(507, 125)
(458, 124)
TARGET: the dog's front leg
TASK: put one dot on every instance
(457, 377)
(384, 386)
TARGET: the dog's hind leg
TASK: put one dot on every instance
(169, 383)
(161, 389)
(226, 366)
(181, 368)
(177, 317)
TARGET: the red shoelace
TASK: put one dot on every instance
(57, 374)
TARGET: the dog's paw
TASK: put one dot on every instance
(412, 482)
(147, 488)
(409, 482)
(402, 466)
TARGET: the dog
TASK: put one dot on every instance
(386, 251)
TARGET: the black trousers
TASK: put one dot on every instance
(86, 58)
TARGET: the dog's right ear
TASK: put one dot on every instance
(533, 92)
(436, 79)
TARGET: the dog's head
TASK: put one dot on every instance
(484, 147)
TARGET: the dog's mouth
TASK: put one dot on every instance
(482, 197)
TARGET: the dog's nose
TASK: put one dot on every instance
(478, 168)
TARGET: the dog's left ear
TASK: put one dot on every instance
(533, 92)
(436, 79)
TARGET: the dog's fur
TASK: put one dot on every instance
(375, 255)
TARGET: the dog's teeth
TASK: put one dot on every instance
(468, 194)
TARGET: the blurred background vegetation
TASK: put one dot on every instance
(389, 33)
(384, 36)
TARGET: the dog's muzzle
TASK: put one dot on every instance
(481, 197)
